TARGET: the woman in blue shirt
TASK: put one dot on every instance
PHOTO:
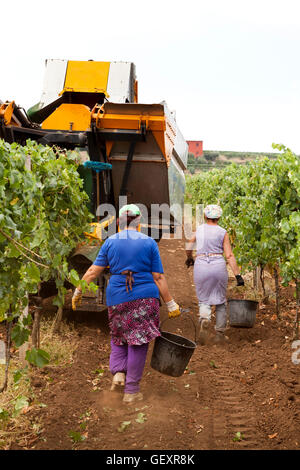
(132, 297)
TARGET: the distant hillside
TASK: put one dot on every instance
(221, 158)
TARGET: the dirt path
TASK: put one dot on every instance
(248, 386)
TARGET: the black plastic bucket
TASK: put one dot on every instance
(242, 313)
(171, 354)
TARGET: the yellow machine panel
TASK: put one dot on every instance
(69, 117)
(87, 77)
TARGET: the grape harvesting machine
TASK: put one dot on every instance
(137, 149)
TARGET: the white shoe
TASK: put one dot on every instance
(132, 397)
(118, 380)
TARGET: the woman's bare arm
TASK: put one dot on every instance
(230, 256)
(190, 246)
(93, 272)
(162, 285)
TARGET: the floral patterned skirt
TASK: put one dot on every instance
(135, 322)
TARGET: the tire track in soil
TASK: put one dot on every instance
(231, 415)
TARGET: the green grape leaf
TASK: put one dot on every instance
(37, 357)
(19, 335)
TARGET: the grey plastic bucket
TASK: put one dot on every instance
(242, 313)
(172, 353)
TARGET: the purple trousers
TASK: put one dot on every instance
(131, 360)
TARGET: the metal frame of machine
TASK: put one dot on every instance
(93, 106)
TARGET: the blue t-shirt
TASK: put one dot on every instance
(134, 251)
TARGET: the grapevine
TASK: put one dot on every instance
(43, 214)
(261, 211)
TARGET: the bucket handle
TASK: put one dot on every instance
(189, 316)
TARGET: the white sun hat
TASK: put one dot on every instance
(213, 211)
(132, 210)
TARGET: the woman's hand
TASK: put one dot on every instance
(76, 299)
(173, 309)
(91, 274)
(239, 280)
(189, 262)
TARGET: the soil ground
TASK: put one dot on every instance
(248, 385)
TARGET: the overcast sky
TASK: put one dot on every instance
(230, 68)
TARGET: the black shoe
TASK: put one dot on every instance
(220, 338)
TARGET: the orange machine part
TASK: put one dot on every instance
(6, 112)
(69, 117)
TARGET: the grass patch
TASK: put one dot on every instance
(60, 346)
(15, 424)
(20, 423)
